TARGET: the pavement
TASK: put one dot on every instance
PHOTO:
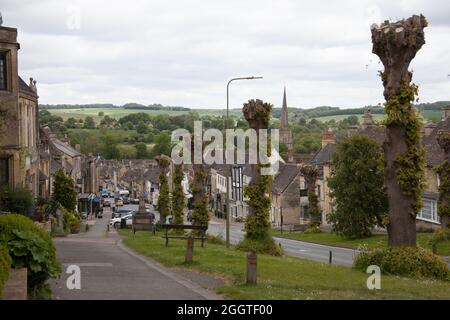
(295, 248)
(109, 270)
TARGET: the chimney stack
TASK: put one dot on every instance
(445, 113)
(328, 137)
(367, 119)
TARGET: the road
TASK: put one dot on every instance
(300, 249)
(111, 271)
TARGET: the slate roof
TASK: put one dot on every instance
(54, 166)
(433, 152)
(376, 133)
(286, 174)
(324, 155)
(61, 147)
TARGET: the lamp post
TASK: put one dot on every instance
(228, 171)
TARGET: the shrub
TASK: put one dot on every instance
(72, 221)
(29, 246)
(210, 238)
(440, 235)
(5, 265)
(18, 200)
(413, 262)
(264, 246)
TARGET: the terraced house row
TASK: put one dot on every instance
(31, 155)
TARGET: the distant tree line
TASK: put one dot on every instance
(112, 106)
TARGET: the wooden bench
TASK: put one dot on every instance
(202, 229)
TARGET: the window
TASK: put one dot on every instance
(428, 211)
(3, 78)
(4, 171)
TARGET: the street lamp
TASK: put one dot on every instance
(228, 171)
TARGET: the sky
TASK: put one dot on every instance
(182, 53)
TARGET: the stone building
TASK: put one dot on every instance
(285, 195)
(428, 217)
(19, 122)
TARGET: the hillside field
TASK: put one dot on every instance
(121, 112)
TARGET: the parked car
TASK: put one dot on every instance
(115, 222)
(119, 202)
(126, 200)
(107, 203)
(122, 212)
(134, 201)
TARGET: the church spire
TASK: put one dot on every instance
(284, 113)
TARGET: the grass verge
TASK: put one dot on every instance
(281, 277)
(374, 241)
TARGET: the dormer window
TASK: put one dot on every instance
(3, 78)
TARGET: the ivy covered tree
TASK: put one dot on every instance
(357, 186)
(200, 214)
(257, 225)
(164, 195)
(310, 173)
(64, 190)
(178, 198)
(444, 176)
(397, 44)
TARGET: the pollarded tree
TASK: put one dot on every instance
(200, 214)
(310, 173)
(357, 186)
(164, 195)
(64, 190)
(397, 44)
(178, 198)
(257, 224)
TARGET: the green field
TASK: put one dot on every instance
(280, 277)
(376, 117)
(120, 112)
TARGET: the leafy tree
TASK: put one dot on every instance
(178, 199)
(163, 144)
(101, 114)
(71, 123)
(141, 127)
(89, 123)
(108, 122)
(64, 190)
(352, 120)
(357, 185)
(141, 151)
(128, 125)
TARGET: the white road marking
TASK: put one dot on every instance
(90, 264)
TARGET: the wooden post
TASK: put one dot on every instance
(251, 267)
(190, 248)
(330, 257)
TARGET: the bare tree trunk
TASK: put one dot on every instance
(397, 44)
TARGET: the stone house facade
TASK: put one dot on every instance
(19, 121)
